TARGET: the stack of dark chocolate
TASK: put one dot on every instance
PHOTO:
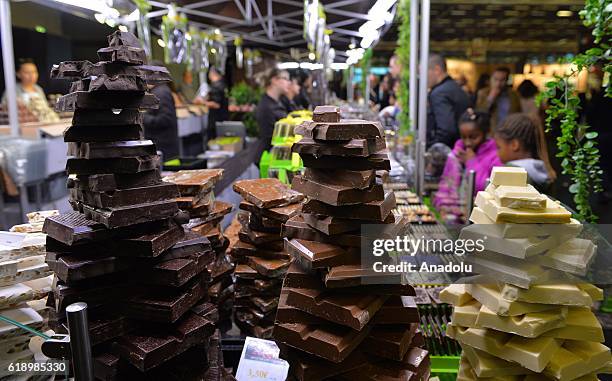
(335, 319)
(123, 250)
(261, 262)
(197, 198)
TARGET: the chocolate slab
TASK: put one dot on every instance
(379, 160)
(297, 277)
(305, 367)
(337, 195)
(103, 133)
(270, 249)
(263, 303)
(74, 268)
(206, 310)
(266, 193)
(81, 69)
(344, 130)
(263, 224)
(117, 117)
(113, 83)
(351, 310)
(220, 268)
(117, 165)
(163, 305)
(131, 215)
(334, 225)
(126, 54)
(116, 100)
(242, 249)
(326, 114)
(331, 342)
(341, 177)
(257, 238)
(145, 351)
(245, 272)
(112, 182)
(193, 182)
(354, 147)
(177, 272)
(296, 227)
(397, 310)
(108, 150)
(316, 255)
(271, 268)
(289, 314)
(391, 342)
(375, 210)
(72, 228)
(348, 275)
(281, 213)
(126, 197)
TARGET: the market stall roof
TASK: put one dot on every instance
(272, 23)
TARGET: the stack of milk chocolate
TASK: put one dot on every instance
(261, 261)
(526, 316)
(206, 213)
(123, 250)
(24, 280)
(335, 319)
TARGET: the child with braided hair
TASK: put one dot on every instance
(521, 143)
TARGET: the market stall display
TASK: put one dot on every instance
(535, 320)
(330, 321)
(122, 250)
(259, 253)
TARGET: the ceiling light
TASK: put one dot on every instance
(100, 17)
(339, 66)
(564, 13)
(311, 56)
(161, 43)
(288, 65)
(213, 51)
(123, 28)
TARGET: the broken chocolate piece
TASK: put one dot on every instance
(337, 195)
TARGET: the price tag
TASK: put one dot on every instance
(259, 361)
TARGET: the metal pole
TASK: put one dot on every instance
(471, 185)
(349, 85)
(424, 60)
(8, 61)
(414, 51)
(79, 341)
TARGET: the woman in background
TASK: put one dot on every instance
(30, 95)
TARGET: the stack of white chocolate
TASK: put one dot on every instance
(526, 318)
(25, 279)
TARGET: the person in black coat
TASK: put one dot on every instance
(270, 108)
(446, 103)
(160, 125)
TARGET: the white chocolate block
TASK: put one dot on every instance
(552, 214)
(509, 176)
(518, 197)
(455, 294)
(573, 256)
(561, 294)
(485, 365)
(580, 324)
(489, 295)
(577, 358)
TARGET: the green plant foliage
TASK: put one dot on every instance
(577, 145)
(403, 53)
(243, 94)
(252, 128)
(364, 63)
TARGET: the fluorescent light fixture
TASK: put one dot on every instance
(123, 28)
(339, 66)
(311, 56)
(564, 13)
(381, 6)
(111, 22)
(288, 65)
(161, 43)
(311, 66)
(370, 27)
(99, 6)
(100, 17)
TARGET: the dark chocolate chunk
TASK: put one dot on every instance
(271, 268)
(72, 228)
(334, 225)
(307, 367)
(108, 150)
(176, 272)
(98, 100)
(196, 181)
(316, 255)
(326, 114)
(331, 342)
(391, 342)
(126, 197)
(354, 147)
(379, 160)
(122, 165)
(375, 210)
(263, 224)
(341, 177)
(296, 227)
(163, 305)
(267, 193)
(281, 213)
(82, 69)
(288, 314)
(337, 195)
(257, 238)
(146, 351)
(112, 182)
(131, 215)
(119, 38)
(349, 275)
(103, 133)
(115, 117)
(126, 54)
(343, 130)
(113, 83)
(297, 277)
(351, 310)
(153, 243)
(397, 310)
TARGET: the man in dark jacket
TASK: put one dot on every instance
(160, 124)
(446, 102)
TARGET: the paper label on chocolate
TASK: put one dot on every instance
(259, 360)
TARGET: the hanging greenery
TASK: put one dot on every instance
(577, 145)
(403, 54)
(364, 63)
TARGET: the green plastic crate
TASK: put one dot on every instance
(445, 367)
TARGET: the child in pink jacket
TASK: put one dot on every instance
(474, 151)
